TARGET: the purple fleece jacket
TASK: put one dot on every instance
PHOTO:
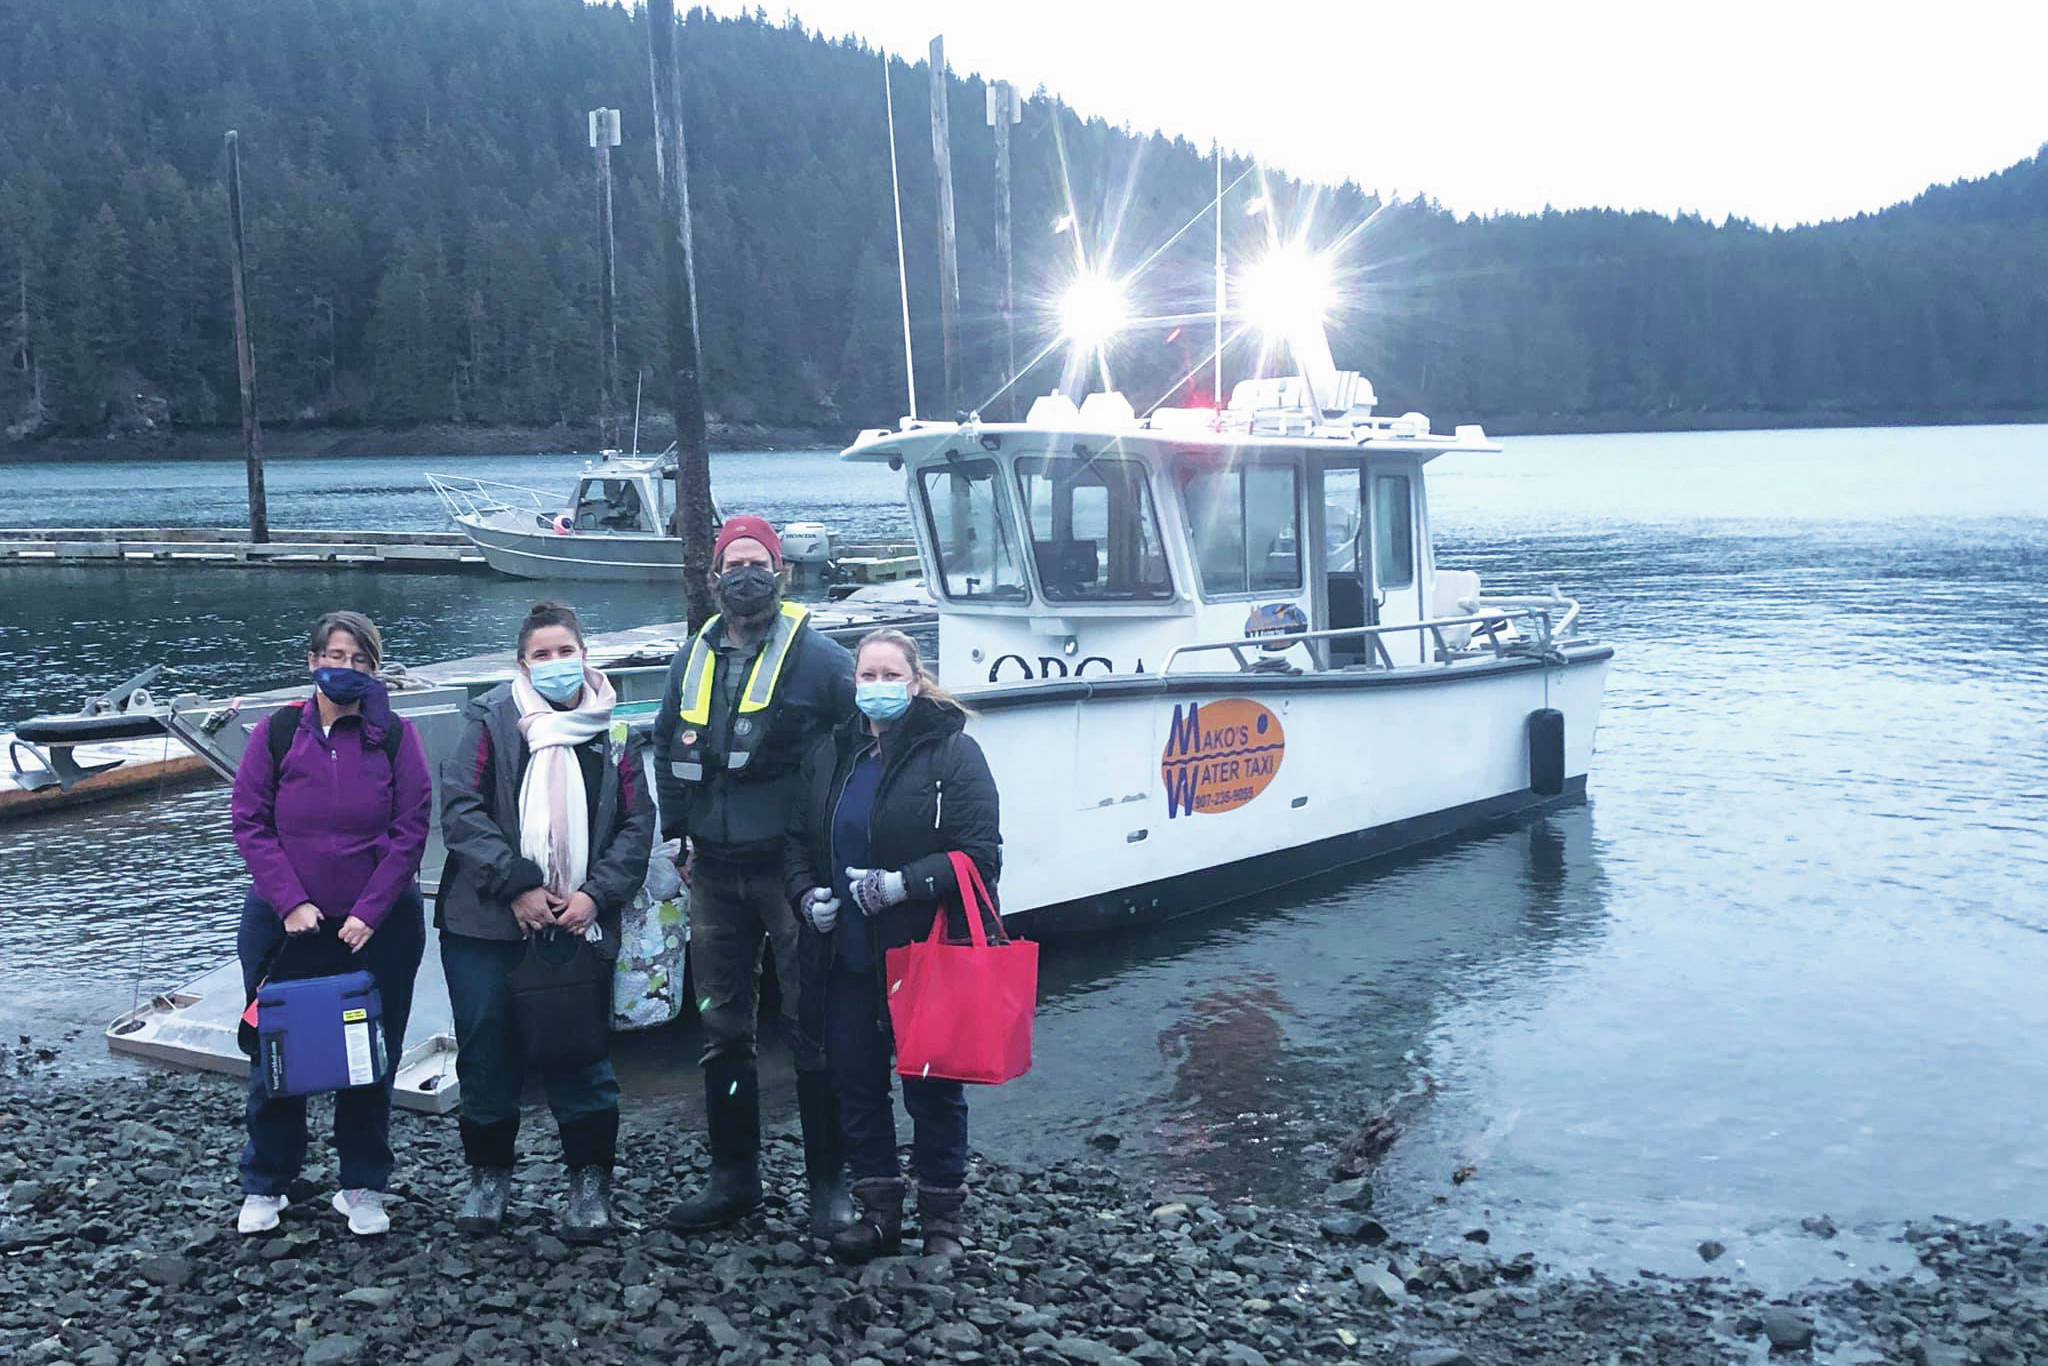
(340, 826)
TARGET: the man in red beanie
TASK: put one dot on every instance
(745, 702)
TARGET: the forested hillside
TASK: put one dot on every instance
(422, 235)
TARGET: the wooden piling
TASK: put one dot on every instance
(1003, 111)
(604, 135)
(693, 460)
(245, 358)
(949, 259)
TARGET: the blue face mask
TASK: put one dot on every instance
(882, 699)
(343, 687)
(558, 680)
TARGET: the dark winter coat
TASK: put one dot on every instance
(740, 817)
(480, 825)
(936, 795)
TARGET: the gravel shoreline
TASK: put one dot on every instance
(116, 1245)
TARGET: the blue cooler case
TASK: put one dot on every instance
(320, 1034)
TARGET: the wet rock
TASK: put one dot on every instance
(1353, 1194)
(171, 1272)
(1467, 1277)
(1788, 1329)
(1711, 1250)
(1478, 1235)
(1439, 1356)
(1820, 1226)
(1380, 1285)
(1105, 1140)
(336, 1349)
(1928, 1351)
(371, 1296)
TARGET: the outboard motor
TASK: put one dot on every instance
(808, 548)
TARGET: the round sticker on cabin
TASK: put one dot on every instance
(1219, 755)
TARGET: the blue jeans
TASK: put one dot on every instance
(860, 1053)
(491, 1065)
(275, 1150)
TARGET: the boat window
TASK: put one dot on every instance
(1393, 532)
(611, 505)
(1244, 521)
(1094, 535)
(970, 530)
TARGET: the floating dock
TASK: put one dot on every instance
(428, 552)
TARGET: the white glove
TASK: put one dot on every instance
(875, 890)
(821, 909)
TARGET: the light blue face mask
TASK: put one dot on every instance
(558, 680)
(882, 699)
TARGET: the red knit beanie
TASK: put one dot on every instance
(746, 528)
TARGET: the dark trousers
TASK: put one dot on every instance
(491, 1065)
(736, 913)
(861, 1055)
(276, 1146)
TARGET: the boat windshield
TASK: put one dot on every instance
(1094, 534)
(969, 520)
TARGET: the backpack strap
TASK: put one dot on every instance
(279, 737)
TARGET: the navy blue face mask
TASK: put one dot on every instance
(343, 686)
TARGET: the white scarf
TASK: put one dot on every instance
(554, 820)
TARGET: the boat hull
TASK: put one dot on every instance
(583, 556)
(1141, 799)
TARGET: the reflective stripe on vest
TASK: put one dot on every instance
(759, 694)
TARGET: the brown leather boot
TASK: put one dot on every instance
(879, 1230)
(938, 1219)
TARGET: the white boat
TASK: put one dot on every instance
(620, 525)
(1209, 652)
(617, 525)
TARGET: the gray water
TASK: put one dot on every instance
(1784, 960)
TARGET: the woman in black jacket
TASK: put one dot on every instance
(886, 798)
(548, 825)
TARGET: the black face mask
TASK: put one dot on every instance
(748, 591)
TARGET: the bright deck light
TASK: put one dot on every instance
(1288, 287)
(1092, 310)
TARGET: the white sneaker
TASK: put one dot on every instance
(365, 1211)
(259, 1213)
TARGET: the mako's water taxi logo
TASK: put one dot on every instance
(1219, 755)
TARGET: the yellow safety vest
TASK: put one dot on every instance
(694, 706)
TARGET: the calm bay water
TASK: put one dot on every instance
(1786, 959)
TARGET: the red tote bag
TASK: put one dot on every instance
(963, 1011)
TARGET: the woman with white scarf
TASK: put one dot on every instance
(548, 826)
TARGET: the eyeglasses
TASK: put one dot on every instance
(342, 659)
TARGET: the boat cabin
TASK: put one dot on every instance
(625, 496)
(1085, 543)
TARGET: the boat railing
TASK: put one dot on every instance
(1484, 632)
(464, 496)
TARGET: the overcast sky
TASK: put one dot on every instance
(1784, 112)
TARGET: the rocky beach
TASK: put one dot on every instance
(116, 1245)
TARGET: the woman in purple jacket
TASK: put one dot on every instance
(332, 830)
